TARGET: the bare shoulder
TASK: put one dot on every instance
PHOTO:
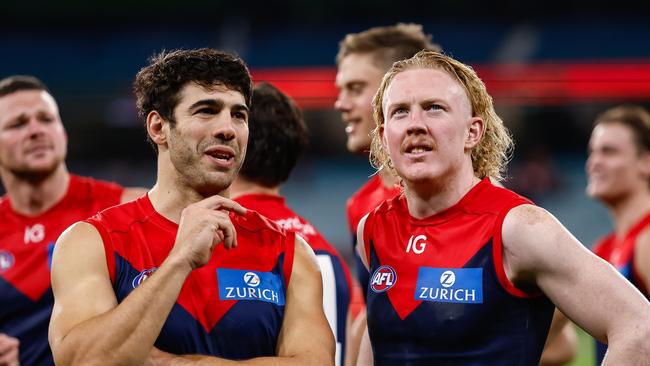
(304, 258)
(132, 193)
(532, 237)
(77, 234)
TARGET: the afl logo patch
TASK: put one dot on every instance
(383, 279)
(6, 260)
(143, 276)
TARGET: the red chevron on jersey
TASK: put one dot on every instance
(137, 239)
(445, 240)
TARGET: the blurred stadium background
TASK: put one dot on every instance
(552, 66)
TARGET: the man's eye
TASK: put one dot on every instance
(205, 111)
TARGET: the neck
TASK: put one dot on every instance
(242, 186)
(431, 197)
(171, 193)
(387, 178)
(32, 197)
(629, 210)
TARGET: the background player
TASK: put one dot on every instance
(42, 199)
(277, 139)
(619, 176)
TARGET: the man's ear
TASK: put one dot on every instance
(475, 131)
(382, 137)
(155, 128)
(645, 163)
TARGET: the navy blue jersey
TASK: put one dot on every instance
(336, 276)
(26, 246)
(438, 292)
(233, 307)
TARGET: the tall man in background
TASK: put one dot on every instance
(618, 169)
(42, 199)
(362, 61)
(278, 137)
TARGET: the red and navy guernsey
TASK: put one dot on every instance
(26, 246)
(620, 253)
(364, 200)
(232, 307)
(336, 276)
(438, 292)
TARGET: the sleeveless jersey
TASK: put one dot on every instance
(232, 307)
(366, 199)
(620, 253)
(336, 276)
(438, 292)
(26, 246)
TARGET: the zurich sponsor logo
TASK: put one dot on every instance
(143, 276)
(383, 279)
(6, 260)
(235, 284)
(456, 285)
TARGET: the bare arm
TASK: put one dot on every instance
(88, 327)
(642, 257)
(305, 337)
(562, 342)
(538, 250)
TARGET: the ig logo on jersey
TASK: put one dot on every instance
(6, 260)
(383, 279)
(143, 276)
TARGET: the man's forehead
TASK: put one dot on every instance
(24, 100)
(191, 91)
(424, 83)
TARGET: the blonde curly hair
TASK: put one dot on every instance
(490, 156)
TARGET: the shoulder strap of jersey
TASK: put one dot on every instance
(107, 243)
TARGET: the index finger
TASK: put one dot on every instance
(217, 202)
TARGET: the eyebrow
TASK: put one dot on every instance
(216, 103)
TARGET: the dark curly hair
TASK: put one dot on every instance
(157, 85)
(278, 137)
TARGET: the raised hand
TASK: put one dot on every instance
(203, 225)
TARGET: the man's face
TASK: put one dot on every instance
(33, 142)
(208, 143)
(357, 80)
(615, 167)
(427, 117)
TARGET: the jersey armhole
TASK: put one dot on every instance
(290, 247)
(108, 246)
(363, 229)
(497, 256)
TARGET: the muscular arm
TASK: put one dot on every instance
(87, 326)
(305, 338)
(539, 251)
(562, 342)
